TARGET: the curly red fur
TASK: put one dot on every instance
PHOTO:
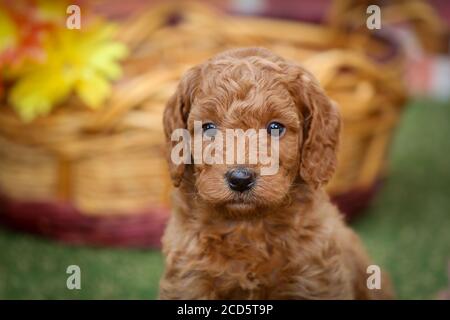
(284, 239)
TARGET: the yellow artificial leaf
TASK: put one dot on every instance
(8, 31)
(36, 93)
(80, 61)
(50, 10)
(93, 89)
(104, 59)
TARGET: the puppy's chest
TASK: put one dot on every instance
(247, 263)
(266, 263)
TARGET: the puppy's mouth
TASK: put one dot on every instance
(240, 205)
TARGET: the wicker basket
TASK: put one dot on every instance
(101, 177)
(418, 15)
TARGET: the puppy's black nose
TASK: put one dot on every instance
(240, 179)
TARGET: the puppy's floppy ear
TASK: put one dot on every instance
(320, 128)
(176, 115)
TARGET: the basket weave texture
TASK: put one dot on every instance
(110, 162)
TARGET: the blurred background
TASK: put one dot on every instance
(83, 179)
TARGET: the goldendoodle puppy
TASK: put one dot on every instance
(238, 234)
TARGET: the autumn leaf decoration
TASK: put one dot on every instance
(73, 61)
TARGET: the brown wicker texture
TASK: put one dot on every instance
(109, 162)
(419, 15)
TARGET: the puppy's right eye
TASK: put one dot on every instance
(276, 129)
(209, 129)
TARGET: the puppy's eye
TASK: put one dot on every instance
(209, 129)
(276, 129)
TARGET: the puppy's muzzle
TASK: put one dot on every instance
(240, 179)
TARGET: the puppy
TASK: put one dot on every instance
(237, 234)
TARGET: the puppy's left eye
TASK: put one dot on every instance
(209, 129)
(276, 129)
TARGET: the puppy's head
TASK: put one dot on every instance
(253, 89)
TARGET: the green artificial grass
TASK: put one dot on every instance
(407, 231)
(408, 227)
